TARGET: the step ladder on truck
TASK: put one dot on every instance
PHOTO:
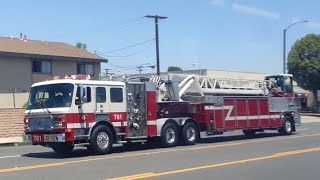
(71, 111)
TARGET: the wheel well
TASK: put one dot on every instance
(173, 122)
(104, 123)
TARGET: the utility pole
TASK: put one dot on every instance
(156, 17)
(139, 68)
(106, 71)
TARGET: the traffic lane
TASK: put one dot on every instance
(42, 155)
(184, 161)
(34, 155)
(300, 166)
(167, 160)
(310, 125)
(20, 150)
(26, 149)
(84, 173)
(49, 157)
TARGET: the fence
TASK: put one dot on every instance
(11, 128)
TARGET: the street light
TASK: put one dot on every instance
(284, 43)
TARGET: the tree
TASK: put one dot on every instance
(304, 64)
(174, 68)
(81, 46)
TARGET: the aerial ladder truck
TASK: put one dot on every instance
(71, 111)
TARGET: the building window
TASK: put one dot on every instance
(41, 67)
(85, 69)
(101, 95)
(116, 95)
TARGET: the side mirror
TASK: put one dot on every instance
(83, 94)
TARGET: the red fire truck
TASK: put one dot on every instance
(75, 111)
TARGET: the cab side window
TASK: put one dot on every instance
(101, 95)
(88, 95)
(116, 95)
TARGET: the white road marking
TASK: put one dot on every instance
(302, 129)
(4, 157)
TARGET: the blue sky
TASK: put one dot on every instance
(235, 35)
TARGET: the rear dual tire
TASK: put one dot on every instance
(170, 134)
(190, 133)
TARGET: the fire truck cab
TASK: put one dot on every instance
(74, 111)
(283, 82)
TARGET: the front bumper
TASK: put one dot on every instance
(44, 138)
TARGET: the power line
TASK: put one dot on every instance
(129, 66)
(136, 67)
(127, 47)
(140, 68)
(127, 55)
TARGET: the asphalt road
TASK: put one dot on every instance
(231, 156)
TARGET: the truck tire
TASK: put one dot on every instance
(62, 148)
(190, 134)
(249, 132)
(287, 126)
(169, 135)
(101, 140)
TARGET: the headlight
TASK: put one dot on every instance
(57, 124)
(26, 121)
(60, 121)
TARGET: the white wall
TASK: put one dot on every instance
(15, 73)
(8, 100)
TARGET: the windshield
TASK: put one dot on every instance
(50, 96)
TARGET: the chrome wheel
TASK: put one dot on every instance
(170, 135)
(191, 133)
(102, 140)
(288, 126)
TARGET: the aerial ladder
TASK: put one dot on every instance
(198, 86)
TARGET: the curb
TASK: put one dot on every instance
(12, 141)
(310, 114)
(15, 144)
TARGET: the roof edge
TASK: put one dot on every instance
(51, 57)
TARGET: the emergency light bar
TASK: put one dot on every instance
(68, 76)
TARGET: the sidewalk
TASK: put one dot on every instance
(310, 114)
(10, 141)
